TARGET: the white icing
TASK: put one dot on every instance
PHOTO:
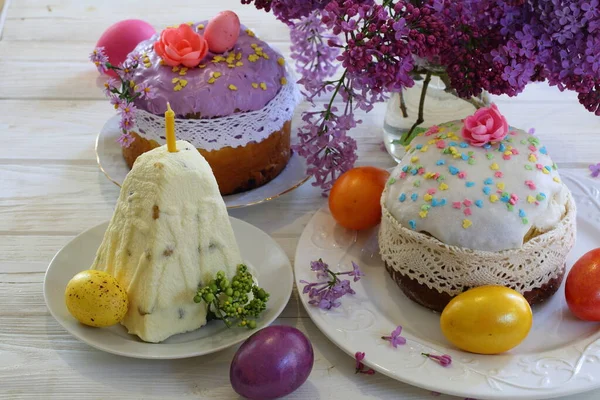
(161, 255)
(493, 226)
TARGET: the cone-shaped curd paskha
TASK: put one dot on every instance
(170, 234)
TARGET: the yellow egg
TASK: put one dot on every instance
(95, 298)
(487, 320)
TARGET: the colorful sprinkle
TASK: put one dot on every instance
(469, 184)
(405, 168)
(419, 146)
(467, 203)
(443, 186)
(498, 174)
(532, 158)
(402, 198)
(463, 145)
(543, 150)
(540, 196)
(488, 181)
(414, 197)
(500, 185)
(440, 144)
(427, 197)
(471, 161)
(479, 203)
(466, 223)
(489, 156)
(423, 214)
(525, 221)
(510, 207)
(530, 199)
(391, 181)
(530, 185)
(468, 212)
(453, 170)
(486, 190)
(522, 213)
(414, 159)
(440, 162)
(493, 198)
(464, 157)
(431, 191)
(501, 148)
(462, 175)
(417, 183)
(413, 224)
(457, 205)
(556, 179)
(494, 167)
(528, 167)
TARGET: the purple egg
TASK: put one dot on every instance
(271, 363)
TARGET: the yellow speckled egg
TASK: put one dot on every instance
(95, 298)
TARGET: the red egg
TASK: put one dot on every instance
(222, 32)
(121, 38)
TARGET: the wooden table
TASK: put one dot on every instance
(51, 190)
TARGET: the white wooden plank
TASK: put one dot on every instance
(85, 21)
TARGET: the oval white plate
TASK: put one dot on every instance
(561, 355)
(112, 164)
(257, 248)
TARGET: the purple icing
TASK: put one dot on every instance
(216, 99)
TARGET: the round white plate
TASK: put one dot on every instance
(561, 355)
(112, 164)
(257, 248)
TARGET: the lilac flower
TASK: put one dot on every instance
(395, 339)
(145, 91)
(595, 169)
(356, 272)
(476, 45)
(125, 140)
(99, 58)
(320, 267)
(315, 52)
(360, 367)
(444, 360)
(287, 10)
(326, 295)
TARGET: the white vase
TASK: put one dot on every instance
(439, 106)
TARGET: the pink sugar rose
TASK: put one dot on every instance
(181, 46)
(486, 125)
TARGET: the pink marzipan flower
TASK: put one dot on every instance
(486, 125)
(181, 46)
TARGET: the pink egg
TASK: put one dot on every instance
(121, 38)
(222, 32)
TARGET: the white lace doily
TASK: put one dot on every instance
(450, 269)
(233, 130)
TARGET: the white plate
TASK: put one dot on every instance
(257, 248)
(561, 355)
(112, 164)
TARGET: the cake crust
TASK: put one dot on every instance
(436, 301)
(236, 169)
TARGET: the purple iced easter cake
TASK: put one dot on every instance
(235, 106)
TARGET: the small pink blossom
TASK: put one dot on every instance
(486, 125)
(360, 367)
(444, 360)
